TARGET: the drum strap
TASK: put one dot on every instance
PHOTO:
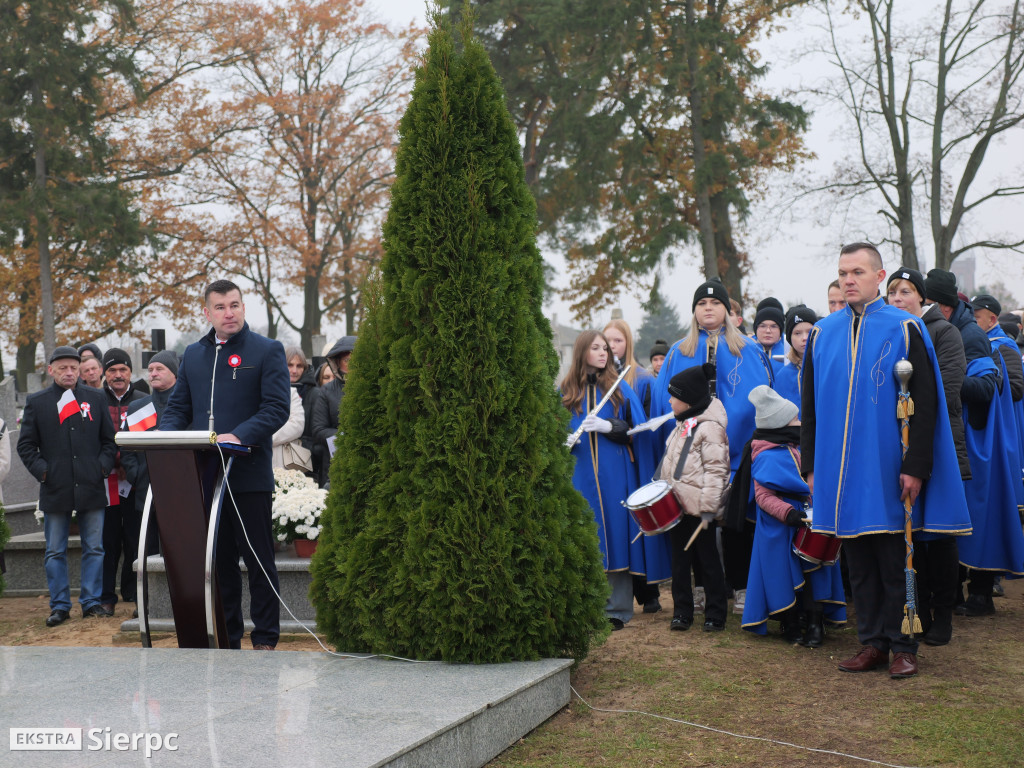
(681, 464)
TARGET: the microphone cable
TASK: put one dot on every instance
(355, 656)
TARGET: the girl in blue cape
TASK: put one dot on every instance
(610, 465)
(781, 585)
(799, 321)
(740, 365)
(620, 339)
(769, 324)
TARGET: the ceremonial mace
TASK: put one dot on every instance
(904, 410)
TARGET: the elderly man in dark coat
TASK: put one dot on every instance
(67, 444)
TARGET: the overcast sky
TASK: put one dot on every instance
(793, 254)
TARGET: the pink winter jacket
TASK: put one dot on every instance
(706, 472)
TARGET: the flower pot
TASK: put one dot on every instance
(305, 547)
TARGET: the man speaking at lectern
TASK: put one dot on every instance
(248, 403)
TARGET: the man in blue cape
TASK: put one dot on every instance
(853, 457)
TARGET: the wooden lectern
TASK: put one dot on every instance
(187, 472)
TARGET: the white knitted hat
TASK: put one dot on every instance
(772, 409)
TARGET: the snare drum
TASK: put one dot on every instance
(654, 507)
(817, 548)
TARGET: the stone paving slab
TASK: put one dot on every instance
(260, 709)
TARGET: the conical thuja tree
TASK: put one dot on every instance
(452, 529)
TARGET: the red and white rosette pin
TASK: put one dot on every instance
(234, 361)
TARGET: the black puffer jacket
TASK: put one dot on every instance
(977, 391)
(949, 349)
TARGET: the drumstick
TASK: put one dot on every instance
(641, 533)
(703, 526)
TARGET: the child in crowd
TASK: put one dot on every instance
(782, 585)
(696, 463)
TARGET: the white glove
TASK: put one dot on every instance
(708, 518)
(594, 424)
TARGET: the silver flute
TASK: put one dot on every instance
(571, 440)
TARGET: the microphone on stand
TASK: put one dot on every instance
(213, 379)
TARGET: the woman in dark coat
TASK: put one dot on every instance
(325, 406)
(935, 556)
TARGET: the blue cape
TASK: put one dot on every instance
(787, 382)
(736, 377)
(997, 543)
(606, 473)
(644, 381)
(858, 451)
(999, 338)
(776, 574)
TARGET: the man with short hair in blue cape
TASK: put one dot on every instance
(853, 457)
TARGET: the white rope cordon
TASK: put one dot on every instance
(736, 735)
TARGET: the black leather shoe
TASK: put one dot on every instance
(58, 616)
(680, 624)
(790, 626)
(714, 626)
(97, 611)
(652, 606)
(617, 624)
(941, 630)
(814, 635)
(978, 605)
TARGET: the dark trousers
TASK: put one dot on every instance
(938, 568)
(876, 564)
(121, 524)
(264, 608)
(716, 601)
(644, 592)
(981, 582)
(737, 549)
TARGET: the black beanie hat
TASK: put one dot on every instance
(984, 301)
(795, 316)
(1010, 324)
(660, 348)
(714, 289)
(940, 286)
(167, 359)
(115, 356)
(772, 313)
(692, 386)
(771, 301)
(912, 275)
(1010, 317)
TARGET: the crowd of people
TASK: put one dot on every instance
(799, 466)
(814, 460)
